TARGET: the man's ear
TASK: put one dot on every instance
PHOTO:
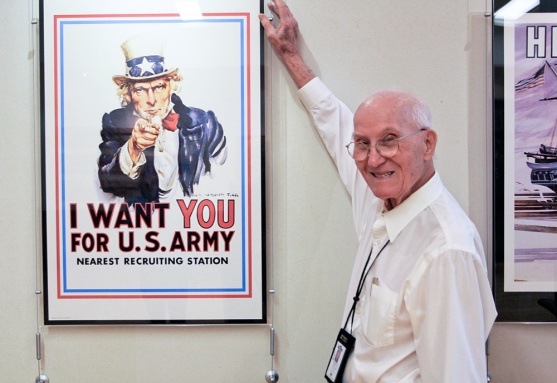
(430, 143)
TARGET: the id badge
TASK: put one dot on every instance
(339, 357)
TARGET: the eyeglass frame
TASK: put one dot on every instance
(383, 140)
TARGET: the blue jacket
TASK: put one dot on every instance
(200, 137)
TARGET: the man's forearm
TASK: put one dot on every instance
(300, 72)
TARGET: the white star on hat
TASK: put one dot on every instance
(146, 66)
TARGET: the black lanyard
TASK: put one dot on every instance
(363, 277)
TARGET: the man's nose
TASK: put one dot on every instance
(374, 159)
(151, 96)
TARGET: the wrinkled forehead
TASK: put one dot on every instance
(149, 84)
(375, 118)
(391, 111)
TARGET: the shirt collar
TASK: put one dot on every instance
(399, 217)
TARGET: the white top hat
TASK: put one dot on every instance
(144, 60)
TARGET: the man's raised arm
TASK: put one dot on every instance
(285, 39)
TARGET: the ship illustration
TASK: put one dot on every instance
(543, 162)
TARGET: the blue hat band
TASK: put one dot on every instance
(145, 66)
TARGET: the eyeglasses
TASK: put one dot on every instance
(386, 147)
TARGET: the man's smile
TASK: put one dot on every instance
(383, 175)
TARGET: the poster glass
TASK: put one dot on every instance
(152, 162)
(525, 167)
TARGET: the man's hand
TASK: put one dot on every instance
(144, 135)
(283, 38)
(285, 41)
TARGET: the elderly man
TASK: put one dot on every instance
(419, 305)
(155, 147)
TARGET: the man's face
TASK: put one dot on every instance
(151, 98)
(393, 179)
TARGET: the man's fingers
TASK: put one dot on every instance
(143, 126)
(267, 26)
(145, 136)
(273, 8)
(150, 134)
(144, 142)
(280, 8)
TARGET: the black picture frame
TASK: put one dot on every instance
(512, 306)
(221, 275)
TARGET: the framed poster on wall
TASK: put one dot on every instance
(152, 162)
(525, 160)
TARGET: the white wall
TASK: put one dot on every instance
(434, 48)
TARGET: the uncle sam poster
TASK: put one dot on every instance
(152, 162)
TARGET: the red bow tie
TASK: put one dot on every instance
(170, 122)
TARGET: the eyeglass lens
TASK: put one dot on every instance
(386, 147)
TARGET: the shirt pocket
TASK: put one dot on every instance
(378, 319)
